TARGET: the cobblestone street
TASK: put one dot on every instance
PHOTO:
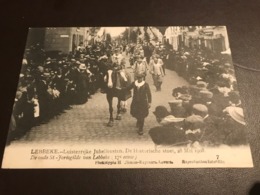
(87, 123)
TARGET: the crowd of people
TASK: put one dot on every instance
(49, 85)
(208, 112)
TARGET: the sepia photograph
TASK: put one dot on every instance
(127, 97)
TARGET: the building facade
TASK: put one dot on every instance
(214, 38)
(64, 39)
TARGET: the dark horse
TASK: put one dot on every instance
(116, 80)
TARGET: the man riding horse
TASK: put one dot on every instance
(116, 79)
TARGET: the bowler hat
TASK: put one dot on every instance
(234, 96)
(161, 112)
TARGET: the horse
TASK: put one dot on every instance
(116, 80)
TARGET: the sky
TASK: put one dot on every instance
(115, 31)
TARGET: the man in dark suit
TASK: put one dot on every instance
(141, 101)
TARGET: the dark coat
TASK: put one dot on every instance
(167, 135)
(219, 103)
(141, 98)
(212, 131)
(82, 88)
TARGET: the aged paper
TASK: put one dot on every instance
(127, 97)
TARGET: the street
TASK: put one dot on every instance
(88, 123)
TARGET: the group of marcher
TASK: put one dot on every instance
(208, 112)
(145, 58)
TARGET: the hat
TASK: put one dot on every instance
(185, 97)
(175, 103)
(82, 67)
(226, 75)
(227, 64)
(194, 122)
(198, 78)
(161, 112)
(172, 119)
(215, 61)
(234, 96)
(46, 74)
(206, 94)
(181, 90)
(28, 76)
(201, 84)
(200, 108)
(18, 95)
(204, 68)
(237, 114)
(205, 64)
(40, 68)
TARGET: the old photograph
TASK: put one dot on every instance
(127, 97)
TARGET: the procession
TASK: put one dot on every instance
(171, 86)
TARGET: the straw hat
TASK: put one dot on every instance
(82, 67)
(206, 94)
(201, 84)
(200, 108)
(237, 114)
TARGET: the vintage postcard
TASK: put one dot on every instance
(127, 97)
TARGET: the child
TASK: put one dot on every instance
(141, 101)
(140, 67)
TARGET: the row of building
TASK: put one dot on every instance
(214, 38)
(67, 39)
